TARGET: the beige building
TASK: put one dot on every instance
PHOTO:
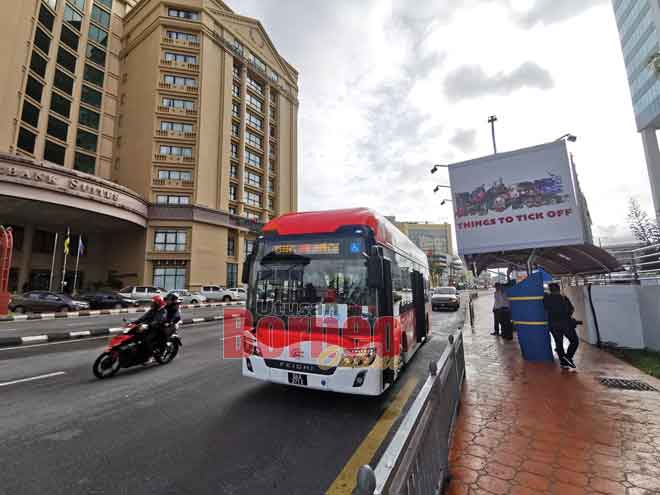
(435, 240)
(163, 133)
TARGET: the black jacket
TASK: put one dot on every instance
(153, 318)
(559, 309)
(173, 315)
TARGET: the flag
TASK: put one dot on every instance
(81, 246)
(67, 241)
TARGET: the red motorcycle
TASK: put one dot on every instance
(127, 349)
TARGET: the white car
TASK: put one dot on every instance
(218, 293)
(236, 294)
(188, 297)
(141, 294)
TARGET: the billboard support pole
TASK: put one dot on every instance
(530, 261)
(491, 120)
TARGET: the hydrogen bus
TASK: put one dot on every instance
(338, 300)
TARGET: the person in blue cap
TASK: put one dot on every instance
(560, 320)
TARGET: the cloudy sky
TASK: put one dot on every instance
(390, 87)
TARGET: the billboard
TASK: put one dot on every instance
(518, 200)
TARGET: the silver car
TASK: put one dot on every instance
(188, 297)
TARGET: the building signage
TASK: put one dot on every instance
(518, 200)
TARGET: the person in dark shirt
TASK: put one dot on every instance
(560, 320)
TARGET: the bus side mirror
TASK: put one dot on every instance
(375, 270)
(247, 267)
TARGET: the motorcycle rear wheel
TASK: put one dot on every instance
(168, 354)
(106, 365)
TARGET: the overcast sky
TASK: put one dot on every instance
(390, 87)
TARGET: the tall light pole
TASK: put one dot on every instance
(437, 188)
(567, 137)
(491, 120)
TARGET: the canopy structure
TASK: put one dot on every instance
(561, 261)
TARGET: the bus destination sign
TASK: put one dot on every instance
(307, 249)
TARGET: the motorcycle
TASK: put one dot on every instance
(126, 350)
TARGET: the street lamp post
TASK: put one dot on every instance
(437, 188)
(436, 167)
(568, 137)
(491, 120)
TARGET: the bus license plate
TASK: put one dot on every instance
(297, 379)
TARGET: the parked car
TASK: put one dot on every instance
(213, 292)
(141, 293)
(445, 298)
(188, 297)
(235, 294)
(45, 302)
(107, 300)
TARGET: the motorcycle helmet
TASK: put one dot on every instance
(157, 301)
(172, 298)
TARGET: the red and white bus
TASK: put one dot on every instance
(338, 300)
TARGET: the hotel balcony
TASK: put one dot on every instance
(180, 43)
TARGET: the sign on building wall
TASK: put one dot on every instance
(517, 200)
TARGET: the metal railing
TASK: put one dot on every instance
(642, 266)
(416, 461)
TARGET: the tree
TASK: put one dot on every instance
(642, 227)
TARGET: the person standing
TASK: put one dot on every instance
(560, 320)
(502, 313)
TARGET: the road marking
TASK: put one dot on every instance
(35, 339)
(345, 482)
(72, 341)
(33, 378)
(197, 320)
(82, 333)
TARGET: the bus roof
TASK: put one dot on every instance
(329, 221)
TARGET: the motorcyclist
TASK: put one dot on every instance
(172, 316)
(154, 318)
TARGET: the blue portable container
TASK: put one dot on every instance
(530, 319)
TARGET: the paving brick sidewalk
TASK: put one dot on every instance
(528, 428)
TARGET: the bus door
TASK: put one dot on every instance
(419, 303)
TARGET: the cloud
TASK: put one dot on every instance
(547, 12)
(471, 81)
(464, 139)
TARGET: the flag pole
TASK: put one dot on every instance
(52, 264)
(75, 276)
(66, 253)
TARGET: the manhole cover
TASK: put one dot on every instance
(626, 384)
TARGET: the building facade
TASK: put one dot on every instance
(638, 22)
(161, 134)
(436, 241)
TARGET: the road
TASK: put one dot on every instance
(195, 426)
(22, 328)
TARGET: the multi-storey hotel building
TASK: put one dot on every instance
(161, 133)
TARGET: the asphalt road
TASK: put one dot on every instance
(195, 426)
(24, 328)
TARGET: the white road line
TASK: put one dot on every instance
(83, 333)
(73, 341)
(33, 378)
(34, 339)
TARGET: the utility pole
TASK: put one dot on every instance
(491, 120)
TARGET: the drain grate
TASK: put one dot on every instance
(625, 384)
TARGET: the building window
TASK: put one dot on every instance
(171, 199)
(232, 210)
(91, 96)
(232, 192)
(231, 246)
(100, 16)
(72, 18)
(30, 114)
(180, 57)
(271, 167)
(66, 60)
(176, 103)
(93, 75)
(270, 204)
(60, 105)
(170, 278)
(270, 187)
(57, 128)
(69, 38)
(252, 179)
(46, 17)
(254, 121)
(234, 151)
(175, 175)
(79, 4)
(236, 110)
(63, 82)
(236, 71)
(86, 140)
(34, 89)
(249, 246)
(236, 90)
(26, 140)
(256, 61)
(253, 139)
(89, 118)
(178, 35)
(96, 55)
(176, 127)
(38, 64)
(232, 274)
(107, 3)
(84, 163)
(98, 35)
(255, 85)
(273, 132)
(252, 215)
(273, 113)
(235, 129)
(183, 14)
(255, 103)
(233, 170)
(42, 41)
(54, 153)
(253, 159)
(252, 199)
(176, 150)
(180, 80)
(171, 240)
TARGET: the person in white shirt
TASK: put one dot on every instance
(502, 313)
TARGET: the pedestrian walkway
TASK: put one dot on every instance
(529, 428)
